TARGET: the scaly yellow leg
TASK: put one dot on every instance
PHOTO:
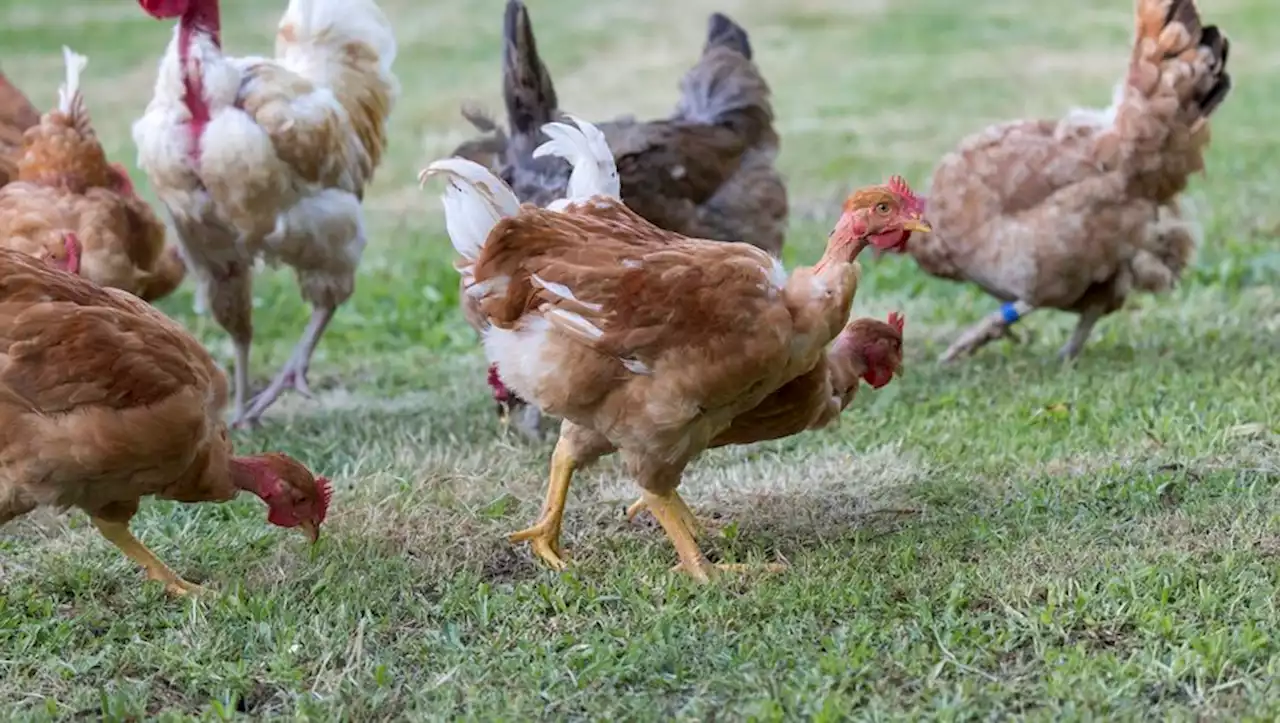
(544, 536)
(118, 534)
(674, 515)
(679, 522)
(696, 524)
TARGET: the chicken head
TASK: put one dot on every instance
(294, 497)
(883, 216)
(879, 345)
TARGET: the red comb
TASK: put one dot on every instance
(326, 494)
(898, 185)
(73, 248)
(897, 321)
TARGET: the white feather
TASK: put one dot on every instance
(68, 91)
(585, 148)
(576, 323)
(474, 201)
(564, 292)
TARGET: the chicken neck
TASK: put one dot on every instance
(819, 297)
(200, 19)
(252, 475)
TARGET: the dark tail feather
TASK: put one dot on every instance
(723, 32)
(1218, 44)
(526, 84)
(725, 86)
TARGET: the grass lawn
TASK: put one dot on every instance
(1005, 537)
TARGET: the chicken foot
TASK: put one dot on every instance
(994, 326)
(678, 521)
(292, 375)
(544, 535)
(119, 534)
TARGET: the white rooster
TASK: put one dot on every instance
(269, 158)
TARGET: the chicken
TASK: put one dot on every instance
(257, 158)
(1075, 214)
(643, 340)
(65, 185)
(707, 171)
(867, 350)
(16, 116)
(104, 401)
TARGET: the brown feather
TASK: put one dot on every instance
(66, 184)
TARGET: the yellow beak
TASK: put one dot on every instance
(916, 225)
(313, 532)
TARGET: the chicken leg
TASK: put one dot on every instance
(699, 525)
(294, 372)
(1084, 327)
(118, 534)
(677, 520)
(544, 535)
(994, 326)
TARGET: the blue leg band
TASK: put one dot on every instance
(1009, 312)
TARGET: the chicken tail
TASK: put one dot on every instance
(70, 98)
(527, 89)
(165, 278)
(474, 202)
(585, 148)
(347, 46)
(63, 150)
(722, 31)
(1177, 77)
(725, 87)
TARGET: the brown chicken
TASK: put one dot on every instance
(16, 116)
(104, 400)
(1077, 213)
(707, 171)
(645, 341)
(867, 350)
(66, 185)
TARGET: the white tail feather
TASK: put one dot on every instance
(474, 201)
(69, 92)
(585, 147)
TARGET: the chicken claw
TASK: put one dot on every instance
(293, 375)
(178, 587)
(118, 534)
(994, 326)
(674, 516)
(544, 535)
(544, 538)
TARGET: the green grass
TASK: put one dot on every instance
(1005, 537)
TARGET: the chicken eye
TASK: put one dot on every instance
(882, 208)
